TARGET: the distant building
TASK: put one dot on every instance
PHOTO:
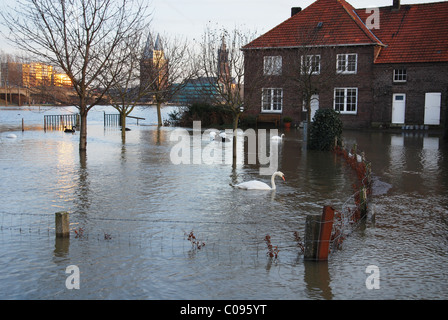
(224, 75)
(388, 66)
(208, 89)
(30, 75)
(198, 90)
(154, 71)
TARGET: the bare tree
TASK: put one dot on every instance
(166, 68)
(313, 71)
(82, 37)
(222, 66)
(126, 93)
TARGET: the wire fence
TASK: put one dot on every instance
(196, 235)
(354, 209)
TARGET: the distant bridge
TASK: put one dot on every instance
(16, 95)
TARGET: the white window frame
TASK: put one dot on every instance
(342, 106)
(272, 65)
(272, 98)
(343, 63)
(312, 61)
(400, 75)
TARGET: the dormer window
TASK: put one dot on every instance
(400, 75)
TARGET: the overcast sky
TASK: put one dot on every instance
(190, 17)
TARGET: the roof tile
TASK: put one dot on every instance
(414, 33)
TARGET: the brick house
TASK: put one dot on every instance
(384, 67)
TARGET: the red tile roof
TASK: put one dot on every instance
(340, 26)
(414, 33)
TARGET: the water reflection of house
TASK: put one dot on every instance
(388, 65)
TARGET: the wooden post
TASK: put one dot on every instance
(326, 227)
(318, 230)
(312, 229)
(23, 125)
(363, 201)
(62, 224)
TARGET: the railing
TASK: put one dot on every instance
(61, 122)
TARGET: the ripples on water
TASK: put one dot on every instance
(146, 204)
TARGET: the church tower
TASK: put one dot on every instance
(153, 66)
(224, 76)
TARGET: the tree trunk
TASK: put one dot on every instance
(83, 131)
(123, 125)
(159, 114)
(234, 144)
(308, 118)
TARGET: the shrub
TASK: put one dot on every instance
(206, 113)
(325, 128)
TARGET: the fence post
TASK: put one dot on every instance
(318, 229)
(62, 224)
(312, 230)
(326, 228)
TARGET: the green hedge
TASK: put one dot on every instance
(325, 128)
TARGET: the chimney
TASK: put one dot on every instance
(396, 5)
(295, 10)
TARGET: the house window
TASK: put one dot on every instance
(272, 100)
(310, 64)
(400, 75)
(346, 100)
(347, 63)
(272, 65)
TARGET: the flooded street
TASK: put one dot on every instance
(133, 210)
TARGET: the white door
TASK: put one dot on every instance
(398, 108)
(432, 108)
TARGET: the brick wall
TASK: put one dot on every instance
(421, 78)
(324, 83)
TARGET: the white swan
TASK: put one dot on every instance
(11, 136)
(223, 136)
(258, 185)
(277, 138)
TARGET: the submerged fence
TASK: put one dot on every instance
(114, 120)
(61, 122)
(325, 233)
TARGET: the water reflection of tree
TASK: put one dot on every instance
(83, 191)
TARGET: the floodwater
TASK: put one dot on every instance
(133, 208)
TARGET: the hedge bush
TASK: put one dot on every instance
(325, 128)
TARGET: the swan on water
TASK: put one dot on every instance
(11, 136)
(277, 138)
(258, 185)
(223, 136)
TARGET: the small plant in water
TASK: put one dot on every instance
(79, 233)
(272, 250)
(195, 243)
(299, 241)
